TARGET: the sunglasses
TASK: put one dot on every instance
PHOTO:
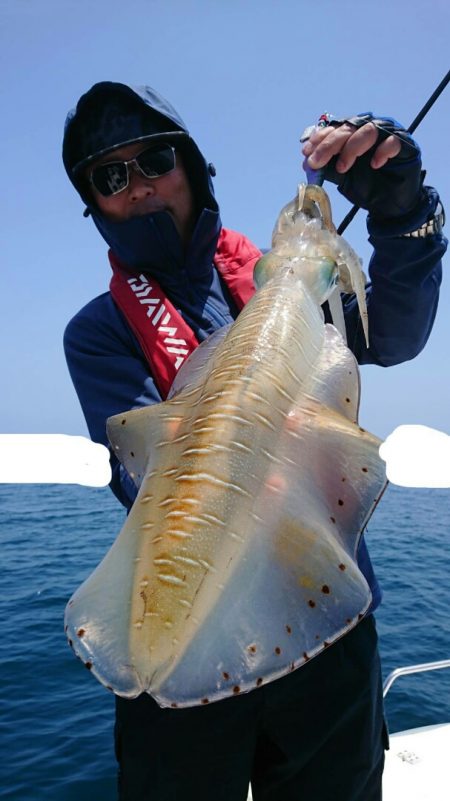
(114, 176)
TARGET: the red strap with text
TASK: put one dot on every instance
(166, 339)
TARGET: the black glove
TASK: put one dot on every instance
(392, 190)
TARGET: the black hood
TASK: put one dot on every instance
(110, 115)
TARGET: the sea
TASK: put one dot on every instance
(56, 720)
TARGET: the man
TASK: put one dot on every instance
(319, 732)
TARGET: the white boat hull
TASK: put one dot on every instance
(417, 765)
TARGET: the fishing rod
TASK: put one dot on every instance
(416, 121)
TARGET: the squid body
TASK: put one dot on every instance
(237, 563)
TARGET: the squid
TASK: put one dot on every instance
(238, 561)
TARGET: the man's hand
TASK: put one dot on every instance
(374, 161)
(348, 142)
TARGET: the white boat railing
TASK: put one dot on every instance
(405, 671)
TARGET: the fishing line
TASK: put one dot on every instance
(417, 120)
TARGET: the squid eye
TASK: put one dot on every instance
(333, 274)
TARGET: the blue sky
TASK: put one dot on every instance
(247, 77)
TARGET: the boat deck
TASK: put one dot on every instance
(417, 765)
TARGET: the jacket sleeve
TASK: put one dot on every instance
(402, 296)
(110, 376)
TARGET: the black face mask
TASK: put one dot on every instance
(151, 242)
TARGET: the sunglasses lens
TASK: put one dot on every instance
(156, 161)
(111, 178)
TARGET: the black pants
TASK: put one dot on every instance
(317, 734)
